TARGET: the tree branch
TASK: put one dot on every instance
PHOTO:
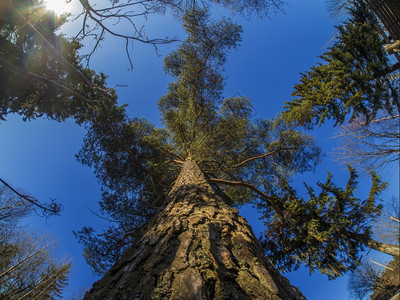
(261, 156)
(25, 73)
(270, 199)
(390, 249)
(49, 47)
(395, 219)
(117, 13)
(52, 208)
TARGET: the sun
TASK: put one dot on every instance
(59, 6)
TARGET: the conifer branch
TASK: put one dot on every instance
(25, 73)
(135, 160)
(177, 161)
(178, 157)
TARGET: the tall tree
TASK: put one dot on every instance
(28, 269)
(41, 73)
(219, 157)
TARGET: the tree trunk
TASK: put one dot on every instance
(198, 247)
(390, 249)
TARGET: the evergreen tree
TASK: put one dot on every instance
(166, 190)
(327, 231)
(353, 79)
(98, 17)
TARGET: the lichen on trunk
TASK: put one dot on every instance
(198, 247)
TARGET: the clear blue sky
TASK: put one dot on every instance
(38, 156)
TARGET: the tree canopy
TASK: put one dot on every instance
(247, 160)
(327, 230)
(40, 69)
(111, 18)
(353, 79)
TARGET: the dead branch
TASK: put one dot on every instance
(52, 208)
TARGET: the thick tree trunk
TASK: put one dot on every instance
(198, 247)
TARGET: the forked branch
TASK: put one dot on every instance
(116, 14)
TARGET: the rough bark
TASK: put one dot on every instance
(198, 247)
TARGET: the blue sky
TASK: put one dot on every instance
(38, 156)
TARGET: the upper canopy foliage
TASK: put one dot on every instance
(40, 71)
(352, 79)
(112, 18)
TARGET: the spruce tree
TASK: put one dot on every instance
(353, 80)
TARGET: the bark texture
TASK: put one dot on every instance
(390, 249)
(198, 247)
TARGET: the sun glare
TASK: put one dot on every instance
(59, 6)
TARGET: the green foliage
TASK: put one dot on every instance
(327, 231)
(350, 81)
(220, 134)
(130, 197)
(188, 109)
(40, 71)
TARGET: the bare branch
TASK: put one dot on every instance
(116, 14)
(371, 145)
(270, 199)
(395, 219)
(262, 156)
(52, 208)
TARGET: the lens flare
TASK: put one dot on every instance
(59, 6)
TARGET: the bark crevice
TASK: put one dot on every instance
(198, 247)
